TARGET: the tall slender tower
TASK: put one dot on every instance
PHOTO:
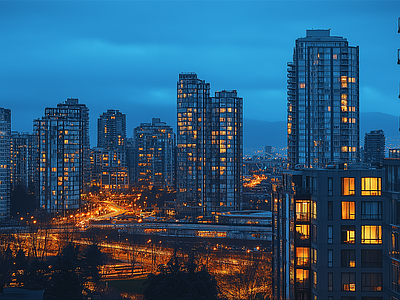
(111, 129)
(323, 101)
(5, 155)
(209, 148)
(62, 142)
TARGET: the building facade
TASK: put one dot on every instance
(323, 101)
(209, 148)
(374, 147)
(5, 154)
(22, 159)
(392, 175)
(330, 235)
(155, 154)
(62, 142)
(111, 129)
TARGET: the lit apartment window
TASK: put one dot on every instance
(315, 278)
(314, 210)
(302, 256)
(303, 210)
(371, 186)
(314, 256)
(348, 234)
(348, 186)
(348, 210)
(349, 282)
(371, 282)
(348, 258)
(302, 278)
(371, 234)
(371, 210)
(303, 232)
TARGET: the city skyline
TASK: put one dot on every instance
(120, 56)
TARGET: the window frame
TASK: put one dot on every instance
(367, 182)
(350, 184)
(350, 209)
(368, 239)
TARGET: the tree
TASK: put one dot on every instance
(6, 267)
(91, 261)
(66, 281)
(181, 280)
(36, 275)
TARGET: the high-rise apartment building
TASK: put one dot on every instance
(155, 154)
(323, 101)
(374, 147)
(111, 129)
(22, 160)
(331, 235)
(62, 141)
(5, 154)
(209, 148)
(109, 167)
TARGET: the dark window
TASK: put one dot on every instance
(314, 233)
(348, 298)
(348, 258)
(330, 258)
(330, 282)
(372, 298)
(330, 186)
(330, 210)
(371, 282)
(330, 234)
(371, 210)
(349, 282)
(371, 258)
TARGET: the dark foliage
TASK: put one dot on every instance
(91, 260)
(22, 202)
(6, 267)
(181, 280)
(36, 275)
(66, 281)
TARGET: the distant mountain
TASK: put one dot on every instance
(258, 134)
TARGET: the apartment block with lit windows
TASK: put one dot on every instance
(111, 129)
(108, 161)
(5, 154)
(331, 236)
(155, 154)
(209, 148)
(323, 101)
(62, 141)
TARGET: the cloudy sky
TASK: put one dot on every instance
(127, 55)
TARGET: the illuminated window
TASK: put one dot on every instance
(343, 80)
(315, 279)
(371, 186)
(303, 210)
(302, 85)
(349, 282)
(303, 232)
(348, 258)
(348, 234)
(302, 256)
(371, 234)
(302, 278)
(348, 186)
(371, 282)
(348, 210)
(314, 210)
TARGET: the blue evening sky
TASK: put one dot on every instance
(127, 55)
